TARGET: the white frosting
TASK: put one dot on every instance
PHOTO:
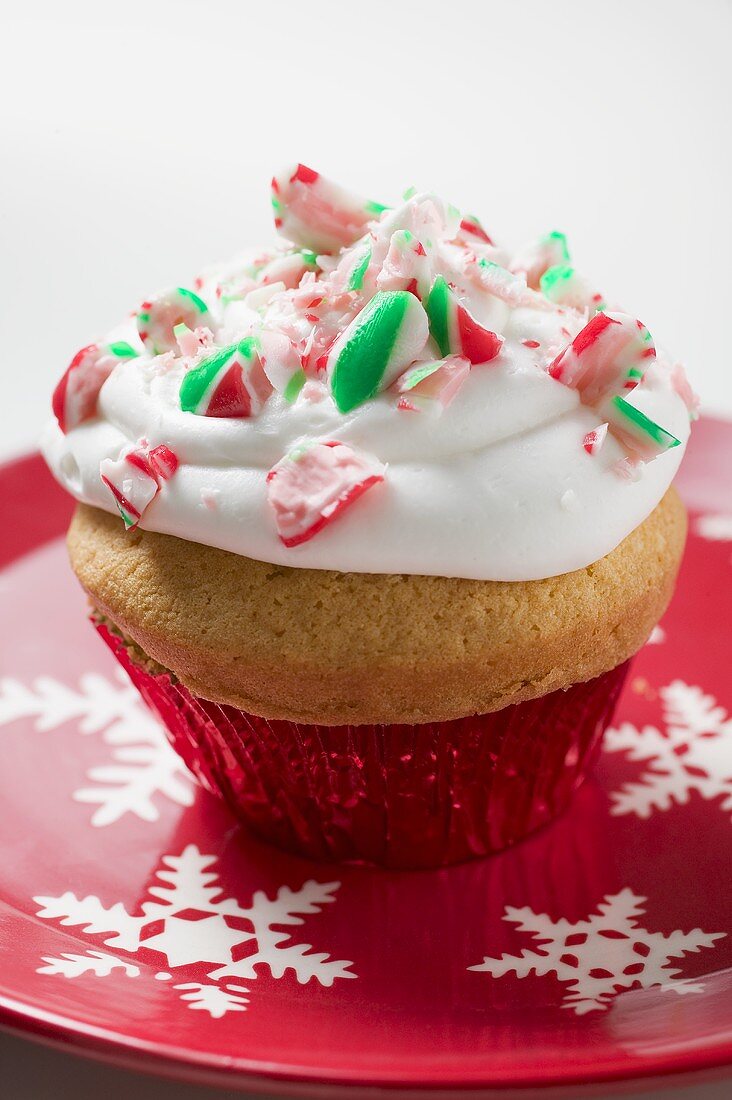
(498, 487)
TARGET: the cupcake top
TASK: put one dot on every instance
(387, 392)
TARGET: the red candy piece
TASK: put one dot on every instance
(455, 330)
(315, 213)
(609, 355)
(163, 461)
(594, 440)
(75, 397)
(477, 344)
(471, 227)
(134, 478)
(430, 387)
(310, 487)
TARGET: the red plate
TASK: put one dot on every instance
(138, 923)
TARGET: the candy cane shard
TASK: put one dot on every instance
(471, 227)
(610, 354)
(315, 213)
(385, 337)
(453, 328)
(259, 298)
(536, 258)
(233, 288)
(191, 341)
(134, 478)
(358, 271)
(288, 268)
(644, 439)
(76, 396)
(430, 387)
(314, 484)
(228, 383)
(563, 285)
(406, 265)
(157, 318)
(594, 440)
(425, 216)
(608, 357)
(281, 364)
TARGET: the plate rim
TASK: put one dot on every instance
(181, 1064)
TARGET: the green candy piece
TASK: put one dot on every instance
(555, 277)
(438, 305)
(294, 386)
(359, 272)
(193, 298)
(122, 350)
(197, 382)
(560, 240)
(418, 374)
(563, 284)
(365, 356)
(641, 426)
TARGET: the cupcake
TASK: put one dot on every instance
(375, 520)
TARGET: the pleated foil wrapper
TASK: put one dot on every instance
(400, 796)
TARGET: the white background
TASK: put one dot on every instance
(137, 141)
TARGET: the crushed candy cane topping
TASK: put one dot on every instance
(135, 478)
(364, 313)
(309, 488)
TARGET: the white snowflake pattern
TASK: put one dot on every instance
(716, 528)
(217, 1000)
(143, 763)
(93, 962)
(601, 956)
(692, 754)
(190, 922)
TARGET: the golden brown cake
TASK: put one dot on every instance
(333, 648)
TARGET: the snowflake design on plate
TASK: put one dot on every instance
(599, 957)
(716, 528)
(693, 753)
(143, 763)
(191, 923)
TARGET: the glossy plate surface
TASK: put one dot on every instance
(139, 924)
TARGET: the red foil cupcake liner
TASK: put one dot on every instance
(406, 796)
